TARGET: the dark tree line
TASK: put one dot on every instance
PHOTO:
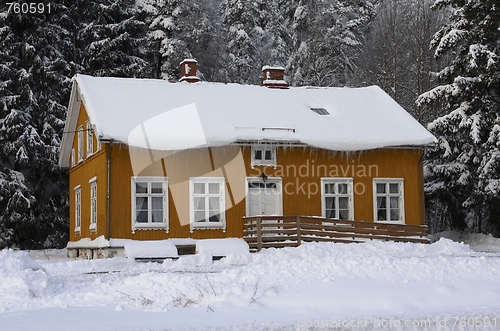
(319, 42)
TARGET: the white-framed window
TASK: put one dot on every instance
(80, 144)
(207, 203)
(93, 203)
(149, 203)
(73, 160)
(337, 200)
(388, 200)
(90, 138)
(78, 208)
(99, 146)
(263, 155)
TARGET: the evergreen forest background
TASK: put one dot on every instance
(437, 58)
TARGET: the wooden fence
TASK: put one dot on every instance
(281, 231)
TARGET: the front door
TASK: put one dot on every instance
(264, 198)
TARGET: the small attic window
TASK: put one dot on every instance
(320, 111)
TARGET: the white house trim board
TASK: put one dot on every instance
(69, 126)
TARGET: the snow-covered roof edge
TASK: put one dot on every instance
(272, 68)
(79, 94)
(69, 126)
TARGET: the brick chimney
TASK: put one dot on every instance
(273, 77)
(188, 71)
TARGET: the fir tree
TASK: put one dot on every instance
(110, 38)
(463, 175)
(327, 36)
(34, 92)
(245, 22)
(396, 54)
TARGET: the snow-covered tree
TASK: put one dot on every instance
(110, 38)
(276, 41)
(245, 23)
(34, 89)
(463, 175)
(327, 36)
(396, 55)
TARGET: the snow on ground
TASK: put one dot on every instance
(319, 286)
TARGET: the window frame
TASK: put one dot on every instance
(93, 204)
(387, 194)
(221, 225)
(80, 144)
(350, 194)
(99, 144)
(78, 208)
(90, 138)
(73, 156)
(150, 225)
(263, 162)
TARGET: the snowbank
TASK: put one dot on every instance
(147, 248)
(234, 250)
(305, 288)
(22, 280)
(99, 242)
(477, 241)
(222, 247)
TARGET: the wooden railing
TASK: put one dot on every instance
(281, 231)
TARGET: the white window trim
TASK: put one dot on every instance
(350, 189)
(399, 181)
(73, 155)
(150, 226)
(212, 225)
(93, 210)
(263, 147)
(80, 144)
(78, 208)
(90, 139)
(99, 146)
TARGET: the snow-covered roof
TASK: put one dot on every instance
(161, 115)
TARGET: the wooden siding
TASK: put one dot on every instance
(178, 167)
(81, 174)
(300, 168)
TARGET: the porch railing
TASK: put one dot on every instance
(281, 231)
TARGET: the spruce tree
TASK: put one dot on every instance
(34, 92)
(463, 175)
(327, 36)
(110, 38)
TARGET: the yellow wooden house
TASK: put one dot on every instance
(152, 159)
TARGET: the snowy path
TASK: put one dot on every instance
(371, 286)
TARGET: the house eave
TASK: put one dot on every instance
(69, 126)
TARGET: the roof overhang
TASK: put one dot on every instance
(70, 126)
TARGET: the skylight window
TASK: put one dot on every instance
(320, 111)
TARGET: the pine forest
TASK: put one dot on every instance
(437, 58)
